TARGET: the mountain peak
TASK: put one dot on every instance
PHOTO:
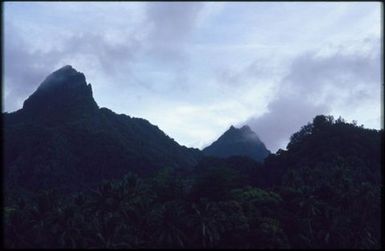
(232, 128)
(66, 69)
(243, 133)
(66, 75)
(64, 92)
(238, 141)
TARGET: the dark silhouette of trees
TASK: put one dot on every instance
(324, 191)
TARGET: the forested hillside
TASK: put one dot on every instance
(324, 191)
(61, 139)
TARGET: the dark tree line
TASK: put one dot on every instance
(324, 191)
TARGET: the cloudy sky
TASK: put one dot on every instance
(196, 68)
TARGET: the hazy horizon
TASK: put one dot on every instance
(193, 69)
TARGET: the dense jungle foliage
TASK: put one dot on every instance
(324, 191)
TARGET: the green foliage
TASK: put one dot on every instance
(323, 192)
(82, 151)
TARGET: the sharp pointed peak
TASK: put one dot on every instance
(64, 74)
(63, 89)
(238, 141)
(65, 70)
(244, 128)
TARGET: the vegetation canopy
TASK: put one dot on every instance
(322, 192)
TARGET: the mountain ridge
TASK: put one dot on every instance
(99, 179)
(61, 138)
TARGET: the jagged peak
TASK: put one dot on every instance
(238, 141)
(66, 90)
(242, 133)
(243, 129)
(65, 75)
(231, 128)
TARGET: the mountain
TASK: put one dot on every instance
(331, 175)
(238, 141)
(63, 95)
(327, 146)
(62, 139)
(323, 192)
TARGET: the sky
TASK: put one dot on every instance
(196, 68)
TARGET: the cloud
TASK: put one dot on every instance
(119, 48)
(172, 24)
(311, 72)
(226, 61)
(285, 116)
(25, 66)
(109, 55)
(319, 84)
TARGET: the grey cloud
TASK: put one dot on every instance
(309, 72)
(109, 56)
(169, 28)
(286, 115)
(343, 78)
(172, 25)
(257, 70)
(25, 69)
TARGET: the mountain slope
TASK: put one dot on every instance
(330, 144)
(242, 141)
(62, 139)
(330, 178)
